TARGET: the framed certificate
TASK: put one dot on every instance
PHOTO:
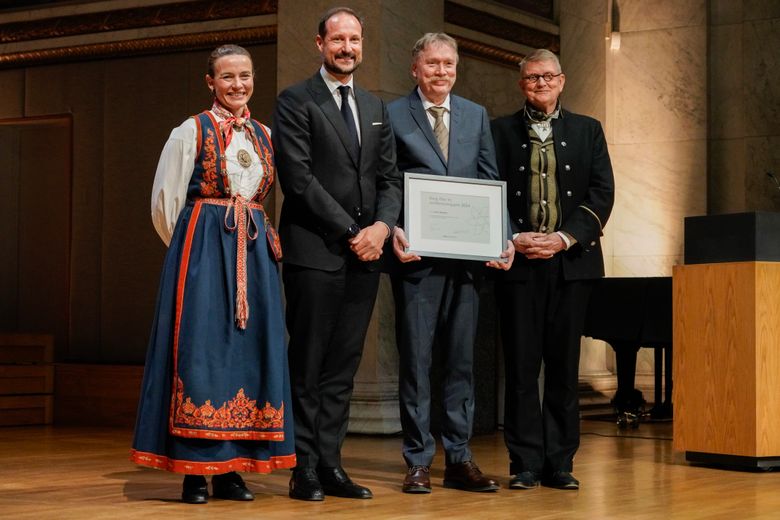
(455, 217)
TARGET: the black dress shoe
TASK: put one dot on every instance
(467, 477)
(335, 482)
(304, 485)
(194, 490)
(524, 480)
(417, 480)
(561, 480)
(230, 486)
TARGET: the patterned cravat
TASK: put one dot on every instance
(440, 130)
(230, 122)
(349, 119)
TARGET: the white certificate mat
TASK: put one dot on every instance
(454, 217)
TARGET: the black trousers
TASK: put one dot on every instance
(327, 320)
(542, 321)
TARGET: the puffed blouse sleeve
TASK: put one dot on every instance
(174, 171)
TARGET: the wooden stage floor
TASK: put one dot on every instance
(84, 473)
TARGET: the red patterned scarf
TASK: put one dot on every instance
(230, 122)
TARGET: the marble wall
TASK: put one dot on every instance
(657, 131)
(493, 86)
(744, 109)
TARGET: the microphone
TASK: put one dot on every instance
(772, 176)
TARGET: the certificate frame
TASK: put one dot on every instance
(455, 217)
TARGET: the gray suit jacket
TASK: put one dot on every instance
(326, 187)
(471, 151)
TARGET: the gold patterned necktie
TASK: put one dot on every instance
(440, 130)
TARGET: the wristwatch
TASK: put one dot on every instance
(353, 230)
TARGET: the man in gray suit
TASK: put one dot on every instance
(443, 134)
(342, 194)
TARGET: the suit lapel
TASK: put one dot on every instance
(456, 127)
(363, 101)
(323, 98)
(421, 118)
(559, 125)
(521, 128)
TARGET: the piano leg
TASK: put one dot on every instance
(658, 354)
(662, 409)
(628, 401)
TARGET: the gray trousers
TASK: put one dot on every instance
(442, 305)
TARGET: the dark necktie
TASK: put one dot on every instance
(349, 119)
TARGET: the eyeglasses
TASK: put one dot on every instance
(547, 76)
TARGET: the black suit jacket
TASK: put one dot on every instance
(585, 187)
(326, 187)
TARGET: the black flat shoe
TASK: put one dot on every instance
(335, 482)
(561, 480)
(194, 490)
(304, 485)
(524, 480)
(230, 486)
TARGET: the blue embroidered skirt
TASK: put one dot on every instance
(215, 397)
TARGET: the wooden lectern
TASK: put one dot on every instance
(726, 301)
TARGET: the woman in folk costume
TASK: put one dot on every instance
(215, 398)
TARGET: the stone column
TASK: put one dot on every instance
(584, 60)
(391, 28)
(657, 128)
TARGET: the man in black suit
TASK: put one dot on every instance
(438, 133)
(561, 190)
(336, 161)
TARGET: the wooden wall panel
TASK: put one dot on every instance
(76, 89)
(96, 395)
(26, 377)
(9, 226)
(19, 410)
(12, 87)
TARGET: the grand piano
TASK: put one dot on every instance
(628, 314)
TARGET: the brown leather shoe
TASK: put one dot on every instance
(467, 477)
(417, 480)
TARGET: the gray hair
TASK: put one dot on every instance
(540, 55)
(428, 39)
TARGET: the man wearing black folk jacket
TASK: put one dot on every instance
(560, 194)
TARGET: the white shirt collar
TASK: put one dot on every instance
(333, 83)
(428, 103)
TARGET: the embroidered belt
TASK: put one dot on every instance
(246, 228)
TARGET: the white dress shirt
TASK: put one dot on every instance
(333, 85)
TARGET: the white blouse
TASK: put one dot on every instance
(174, 171)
